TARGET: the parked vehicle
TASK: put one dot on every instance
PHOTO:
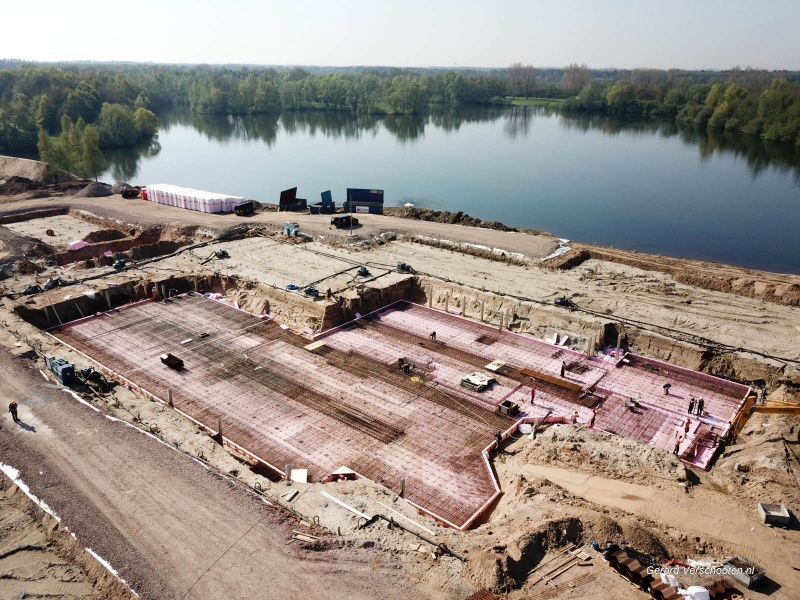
(244, 208)
(344, 221)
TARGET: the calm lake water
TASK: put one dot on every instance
(649, 186)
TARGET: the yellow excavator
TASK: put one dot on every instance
(751, 406)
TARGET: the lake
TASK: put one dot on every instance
(656, 187)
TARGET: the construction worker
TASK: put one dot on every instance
(12, 408)
(678, 440)
(533, 394)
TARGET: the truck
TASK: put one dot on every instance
(344, 221)
(244, 208)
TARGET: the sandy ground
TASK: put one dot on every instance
(65, 229)
(567, 485)
(29, 565)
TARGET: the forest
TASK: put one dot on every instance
(117, 103)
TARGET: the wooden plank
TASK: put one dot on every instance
(551, 559)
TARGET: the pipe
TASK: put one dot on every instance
(350, 508)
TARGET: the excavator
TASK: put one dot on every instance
(751, 406)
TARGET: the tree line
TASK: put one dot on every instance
(120, 100)
(38, 98)
(748, 101)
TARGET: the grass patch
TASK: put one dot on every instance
(550, 102)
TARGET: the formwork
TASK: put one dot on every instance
(627, 394)
(318, 408)
(343, 400)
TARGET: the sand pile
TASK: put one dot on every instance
(33, 170)
(94, 190)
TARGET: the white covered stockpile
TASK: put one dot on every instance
(209, 202)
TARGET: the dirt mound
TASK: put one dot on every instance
(26, 267)
(103, 235)
(17, 185)
(444, 216)
(32, 170)
(39, 249)
(625, 532)
(94, 190)
(508, 563)
(605, 455)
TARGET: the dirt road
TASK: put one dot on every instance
(172, 528)
(149, 214)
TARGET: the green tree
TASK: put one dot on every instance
(146, 123)
(92, 160)
(116, 126)
(620, 98)
(70, 144)
(49, 152)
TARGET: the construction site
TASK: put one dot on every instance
(456, 411)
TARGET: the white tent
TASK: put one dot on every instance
(210, 202)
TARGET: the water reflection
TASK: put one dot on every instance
(517, 123)
(123, 163)
(450, 118)
(332, 124)
(405, 127)
(759, 154)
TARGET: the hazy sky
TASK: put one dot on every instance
(691, 34)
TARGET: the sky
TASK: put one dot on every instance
(687, 34)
